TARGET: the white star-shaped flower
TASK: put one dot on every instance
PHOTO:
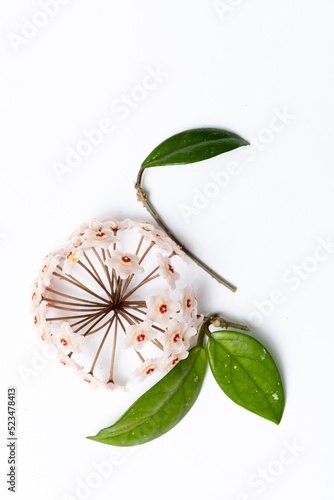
(71, 259)
(98, 235)
(188, 334)
(188, 302)
(161, 307)
(167, 271)
(67, 340)
(156, 236)
(124, 263)
(69, 362)
(178, 250)
(49, 266)
(138, 335)
(148, 367)
(94, 382)
(47, 336)
(196, 319)
(173, 338)
(36, 294)
(114, 224)
(39, 318)
(175, 357)
(79, 232)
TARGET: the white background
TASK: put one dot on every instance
(230, 64)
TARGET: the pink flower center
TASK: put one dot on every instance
(163, 309)
(34, 296)
(150, 371)
(87, 380)
(141, 337)
(69, 255)
(126, 259)
(64, 342)
(44, 269)
(36, 320)
(62, 362)
(171, 268)
(176, 338)
(43, 337)
(188, 303)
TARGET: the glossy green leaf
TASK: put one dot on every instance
(161, 407)
(247, 373)
(193, 145)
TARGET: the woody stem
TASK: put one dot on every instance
(143, 197)
(218, 321)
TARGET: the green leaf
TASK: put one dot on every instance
(193, 145)
(247, 373)
(161, 407)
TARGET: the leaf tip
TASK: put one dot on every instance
(92, 438)
(279, 418)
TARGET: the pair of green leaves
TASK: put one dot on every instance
(243, 368)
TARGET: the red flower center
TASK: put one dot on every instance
(62, 362)
(188, 303)
(176, 338)
(126, 259)
(64, 342)
(44, 269)
(150, 371)
(69, 255)
(100, 235)
(171, 268)
(141, 337)
(35, 320)
(34, 295)
(87, 380)
(163, 309)
(175, 360)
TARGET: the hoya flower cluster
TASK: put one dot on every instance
(114, 290)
